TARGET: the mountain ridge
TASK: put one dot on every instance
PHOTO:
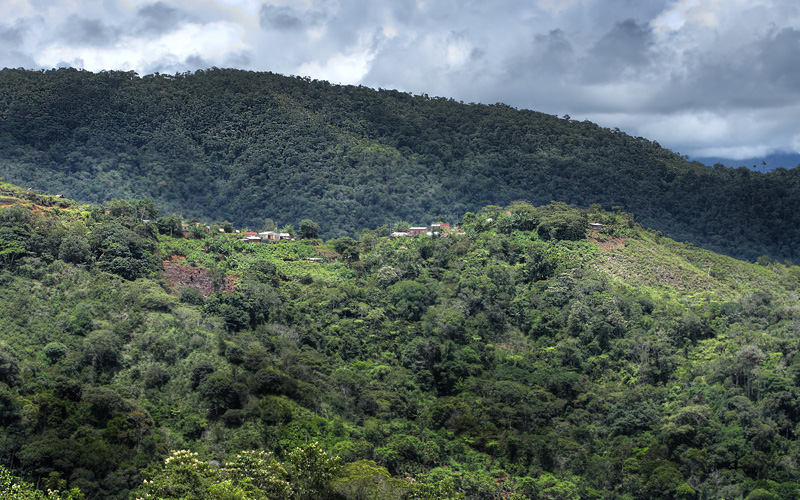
(242, 146)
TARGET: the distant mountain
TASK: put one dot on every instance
(245, 146)
(761, 164)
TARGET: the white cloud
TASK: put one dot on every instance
(211, 41)
(341, 68)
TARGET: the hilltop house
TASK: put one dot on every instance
(269, 236)
(251, 237)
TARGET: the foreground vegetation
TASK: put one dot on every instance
(523, 357)
(244, 146)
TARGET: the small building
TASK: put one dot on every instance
(595, 226)
(269, 236)
(413, 231)
(284, 236)
(399, 234)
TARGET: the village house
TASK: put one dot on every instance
(251, 237)
(269, 236)
(414, 231)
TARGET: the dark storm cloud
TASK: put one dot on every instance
(286, 18)
(551, 55)
(598, 17)
(158, 18)
(83, 31)
(12, 36)
(349, 22)
(627, 47)
(240, 59)
(763, 74)
(779, 60)
(16, 59)
(281, 18)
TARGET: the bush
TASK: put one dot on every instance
(156, 377)
(54, 351)
(192, 296)
(75, 249)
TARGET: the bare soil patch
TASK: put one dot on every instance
(608, 243)
(178, 276)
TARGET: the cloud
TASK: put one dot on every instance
(16, 59)
(280, 18)
(191, 46)
(779, 60)
(13, 36)
(158, 18)
(81, 31)
(622, 52)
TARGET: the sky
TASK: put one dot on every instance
(705, 78)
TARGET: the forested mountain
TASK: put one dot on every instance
(520, 356)
(243, 146)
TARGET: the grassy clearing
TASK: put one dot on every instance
(667, 267)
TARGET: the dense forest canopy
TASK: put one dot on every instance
(246, 147)
(521, 355)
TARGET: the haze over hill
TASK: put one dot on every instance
(244, 146)
(762, 164)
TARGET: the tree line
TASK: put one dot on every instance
(244, 146)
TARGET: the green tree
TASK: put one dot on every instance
(312, 472)
(365, 480)
(54, 351)
(410, 299)
(12, 488)
(9, 368)
(12, 246)
(560, 222)
(260, 471)
(181, 477)
(75, 249)
(218, 390)
(171, 225)
(347, 247)
(308, 229)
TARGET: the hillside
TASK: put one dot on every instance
(521, 354)
(242, 146)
